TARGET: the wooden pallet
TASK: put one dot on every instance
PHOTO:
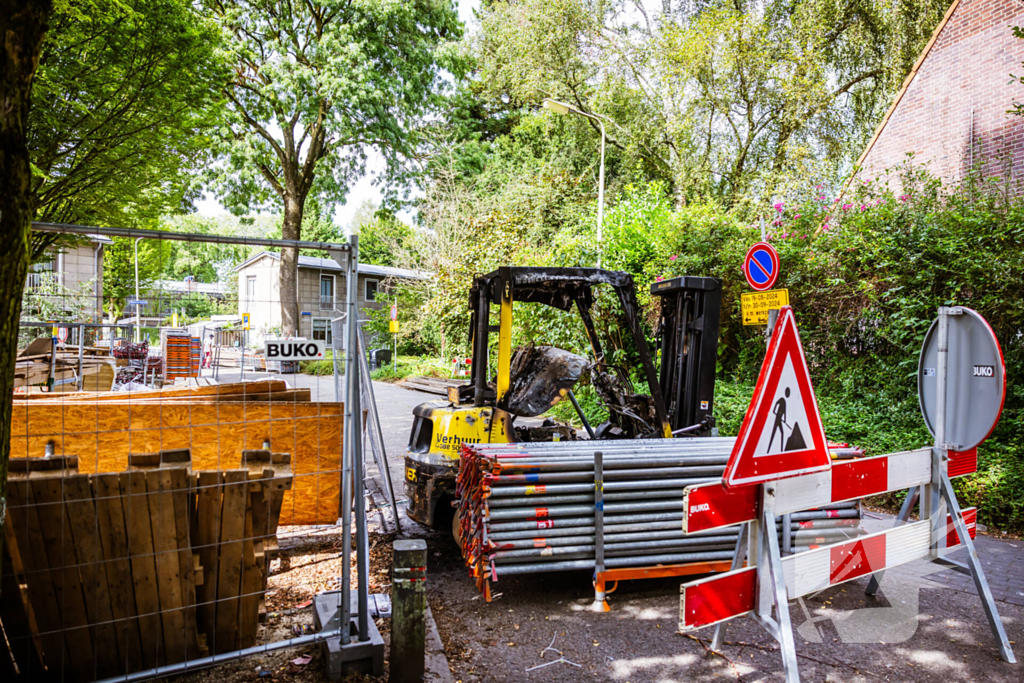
(105, 574)
(432, 385)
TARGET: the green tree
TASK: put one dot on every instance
(124, 100)
(119, 271)
(23, 24)
(721, 99)
(50, 299)
(383, 238)
(315, 83)
(208, 262)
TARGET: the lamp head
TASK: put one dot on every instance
(555, 106)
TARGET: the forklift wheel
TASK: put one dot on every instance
(457, 527)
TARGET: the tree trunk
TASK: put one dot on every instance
(290, 230)
(22, 27)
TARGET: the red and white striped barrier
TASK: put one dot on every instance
(733, 594)
(712, 506)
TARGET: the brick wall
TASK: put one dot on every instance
(953, 114)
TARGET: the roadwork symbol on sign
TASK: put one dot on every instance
(781, 435)
(761, 266)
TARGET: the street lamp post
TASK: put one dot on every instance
(563, 108)
(138, 308)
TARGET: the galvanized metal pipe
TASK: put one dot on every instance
(613, 562)
(530, 508)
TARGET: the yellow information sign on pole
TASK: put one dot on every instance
(393, 327)
(245, 321)
(755, 305)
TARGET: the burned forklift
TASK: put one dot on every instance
(531, 379)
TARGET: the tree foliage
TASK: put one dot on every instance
(724, 100)
(119, 271)
(124, 100)
(51, 299)
(316, 83)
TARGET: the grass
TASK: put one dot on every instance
(412, 366)
(321, 367)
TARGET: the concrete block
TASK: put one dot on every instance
(366, 657)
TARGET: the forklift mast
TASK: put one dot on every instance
(688, 327)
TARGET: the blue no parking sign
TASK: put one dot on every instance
(761, 266)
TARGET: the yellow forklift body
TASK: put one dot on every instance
(456, 425)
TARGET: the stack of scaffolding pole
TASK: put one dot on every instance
(528, 508)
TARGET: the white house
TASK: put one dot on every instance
(321, 292)
(73, 267)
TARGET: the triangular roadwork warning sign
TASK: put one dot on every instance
(781, 435)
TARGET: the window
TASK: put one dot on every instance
(322, 330)
(326, 292)
(41, 273)
(370, 289)
(250, 290)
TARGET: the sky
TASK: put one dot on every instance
(364, 189)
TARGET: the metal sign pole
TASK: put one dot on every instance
(718, 640)
(974, 563)
(934, 502)
(355, 450)
(599, 595)
(771, 587)
(347, 458)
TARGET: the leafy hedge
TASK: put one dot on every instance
(866, 271)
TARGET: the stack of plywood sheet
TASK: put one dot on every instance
(107, 574)
(216, 422)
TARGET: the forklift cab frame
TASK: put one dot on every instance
(559, 288)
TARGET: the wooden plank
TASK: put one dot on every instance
(207, 526)
(183, 511)
(19, 623)
(49, 502)
(102, 433)
(252, 577)
(230, 388)
(229, 579)
(23, 520)
(144, 576)
(168, 571)
(117, 564)
(83, 522)
(298, 395)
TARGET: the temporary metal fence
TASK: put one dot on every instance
(142, 526)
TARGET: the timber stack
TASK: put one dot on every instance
(110, 573)
(217, 423)
(92, 367)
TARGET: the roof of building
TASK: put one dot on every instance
(317, 263)
(181, 286)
